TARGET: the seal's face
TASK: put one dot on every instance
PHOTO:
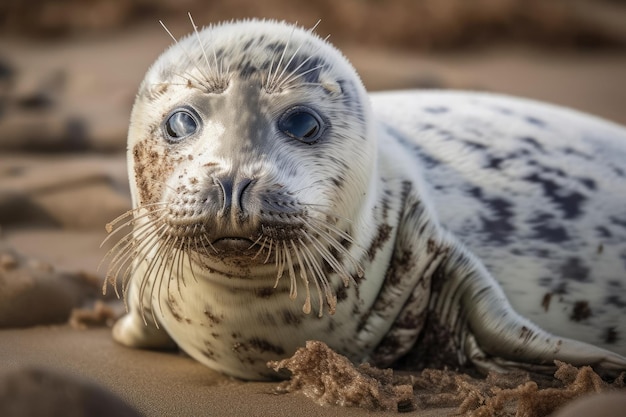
(251, 148)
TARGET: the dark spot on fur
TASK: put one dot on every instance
(498, 226)
(173, 307)
(436, 109)
(341, 292)
(209, 353)
(337, 181)
(570, 202)
(382, 235)
(556, 288)
(494, 162)
(290, 319)
(535, 121)
(574, 269)
(588, 182)
(603, 231)
(610, 335)
(436, 347)
(572, 151)
(213, 319)
(617, 221)
(533, 142)
(615, 300)
(265, 292)
(581, 311)
(545, 302)
(475, 145)
(424, 126)
(547, 232)
(263, 346)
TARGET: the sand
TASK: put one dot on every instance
(65, 109)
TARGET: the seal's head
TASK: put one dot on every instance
(251, 151)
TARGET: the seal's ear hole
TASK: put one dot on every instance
(302, 123)
(180, 124)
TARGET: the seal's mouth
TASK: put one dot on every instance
(232, 244)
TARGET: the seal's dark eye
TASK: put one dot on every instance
(179, 125)
(302, 123)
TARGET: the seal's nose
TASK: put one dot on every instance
(233, 193)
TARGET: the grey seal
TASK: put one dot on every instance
(275, 202)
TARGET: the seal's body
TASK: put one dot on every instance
(275, 202)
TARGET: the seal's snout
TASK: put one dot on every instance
(234, 195)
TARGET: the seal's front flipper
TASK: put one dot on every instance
(132, 331)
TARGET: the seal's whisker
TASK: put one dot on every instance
(187, 54)
(127, 256)
(193, 81)
(306, 308)
(195, 30)
(261, 236)
(112, 227)
(124, 245)
(272, 84)
(280, 81)
(161, 272)
(188, 250)
(279, 261)
(208, 242)
(309, 267)
(269, 251)
(333, 229)
(293, 284)
(171, 265)
(293, 77)
(142, 250)
(338, 246)
(179, 253)
(330, 259)
(155, 261)
(285, 82)
(322, 279)
(128, 236)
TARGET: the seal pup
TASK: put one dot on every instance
(275, 202)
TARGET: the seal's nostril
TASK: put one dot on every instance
(226, 191)
(242, 186)
(233, 193)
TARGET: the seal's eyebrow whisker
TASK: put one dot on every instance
(271, 84)
(286, 83)
(195, 30)
(187, 54)
(280, 81)
(220, 80)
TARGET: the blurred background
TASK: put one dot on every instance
(69, 70)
